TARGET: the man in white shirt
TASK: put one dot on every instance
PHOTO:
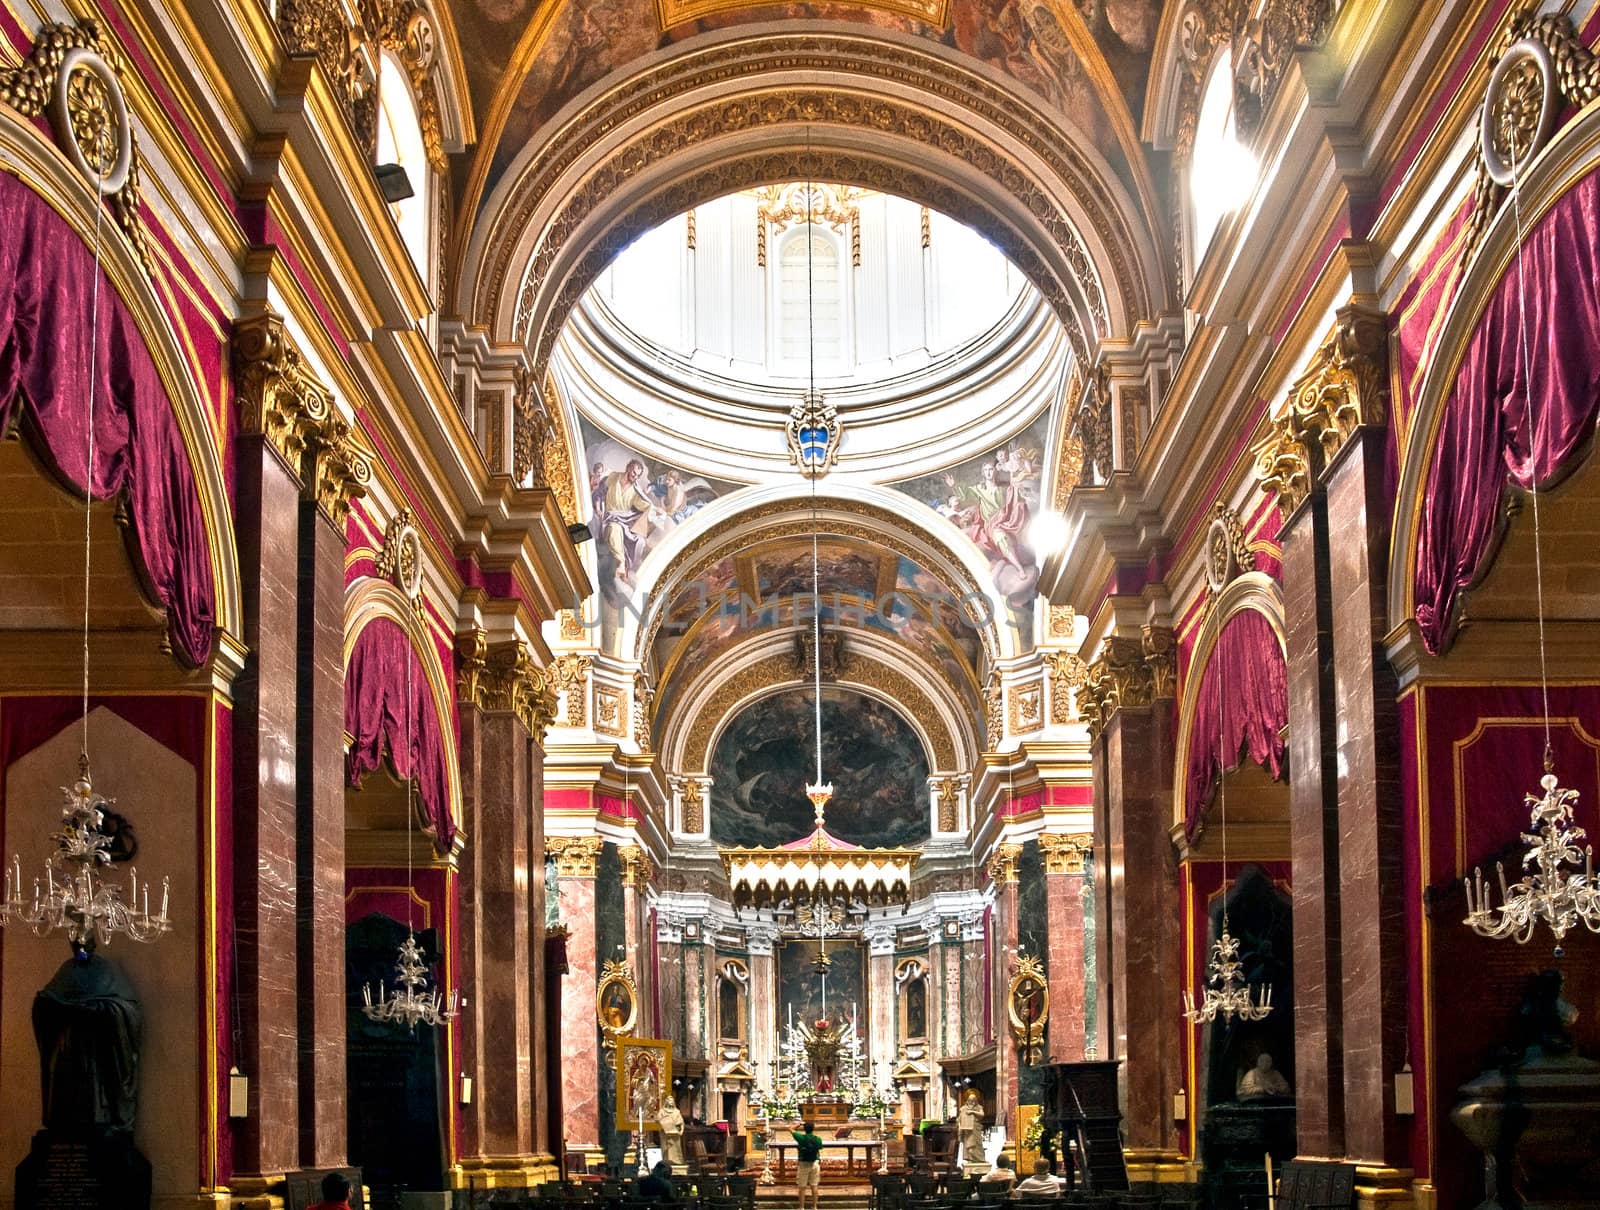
(1040, 1184)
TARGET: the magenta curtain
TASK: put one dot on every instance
(391, 716)
(1484, 436)
(46, 275)
(1247, 664)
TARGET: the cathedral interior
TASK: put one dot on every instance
(998, 583)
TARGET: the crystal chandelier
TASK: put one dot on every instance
(1548, 892)
(412, 1003)
(70, 896)
(73, 895)
(1226, 993)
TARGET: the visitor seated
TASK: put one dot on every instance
(1040, 1184)
(657, 1187)
(335, 1193)
(1000, 1175)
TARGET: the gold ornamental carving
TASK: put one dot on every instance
(569, 675)
(947, 798)
(1092, 426)
(643, 697)
(1128, 673)
(348, 41)
(774, 670)
(1541, 74)
(637, 868)
(608, 710)
(1160, 648)
(1067, 673)
(278, 398)
(531, 429)
(616, 1003)
(1028, 1007)
(570, 625)
(1133, 401)
(1027, 706)
(576, 856)
(677, 12)
(1345, 387)
(503, 679)
(558, 472)
(1228, 553)
(1065, 853)
(400, 559)
(1003, 862)
(994, 716)
(74, 74)
(691, 801)
(1063, 619)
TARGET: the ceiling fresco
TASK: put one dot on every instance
(766, 755)
(575, 43)
(993, 500)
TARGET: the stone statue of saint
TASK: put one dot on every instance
(1262, 1080)
(671, 1123)
(86, 1023)
(969, 1125)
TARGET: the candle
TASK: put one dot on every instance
(147, 903)
(133, 885)
(165, 886)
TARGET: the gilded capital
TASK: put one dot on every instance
(576, 856)
(1003, 862)
(637, 868)
(1065, 854)
(502, 678)
(691, 800)
(339, 468)
(1129, 672)
(947, 795)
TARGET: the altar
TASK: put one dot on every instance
(844, 1161)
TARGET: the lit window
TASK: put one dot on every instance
(1222, 171)
(400, 142)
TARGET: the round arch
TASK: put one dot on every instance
(725, 112)
(44, 170)
(1571, 156)
(875, 514)
(369, 599)
(1252, 592)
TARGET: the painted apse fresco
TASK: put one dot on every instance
(580, 41)
(993, 499)
(634, 502)
(765, 756)
(801, 990)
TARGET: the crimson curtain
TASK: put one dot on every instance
(389, 711)
(1246, 662)
(1485, 439)
(46, 361)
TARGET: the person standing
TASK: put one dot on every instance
(807, 1163)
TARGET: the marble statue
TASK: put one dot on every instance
(671, 1123)
(969, 1125)
(1262, 1080)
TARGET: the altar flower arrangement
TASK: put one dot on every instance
(1037, 1138)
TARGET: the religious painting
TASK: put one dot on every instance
(765, 756)
(801, 994)
(644, 1077)
(993, 499)
(616, 1002)
(843, 570)
(634, 502)
(1028, 1007)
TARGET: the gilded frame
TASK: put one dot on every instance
(635, 1057)
(615, 989)
(1029, 985)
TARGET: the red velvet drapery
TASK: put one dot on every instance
(46, 279)
(1246, 661)
(387, 718)
(1484, 436)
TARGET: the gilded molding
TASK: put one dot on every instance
(503, 679)
(691, 801)
(576, 856)
(1132, 400)
(92, 124)
(608, 710)
(994, 718)
(1067, 674)
(558, 472)
(1129, 672)
(1065, 853)
(1091, 426)
(569, 676)
(1002, 865)
(1027, 706)
(1345, 387)
(530, 429)
(643, 697)
(279, 399)
(947, 798)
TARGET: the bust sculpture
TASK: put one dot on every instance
(1262, 1080)
(87, 1023)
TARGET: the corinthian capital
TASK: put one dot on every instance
(502, 678)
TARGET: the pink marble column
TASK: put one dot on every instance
(1003, 869)
(763, 1001)
(882, 1001)
(1063, 887)
(580, 1035)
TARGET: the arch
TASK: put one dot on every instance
(875, 514)
(368, 600)
(1568, 160)
(1252, 592)
(733, 111)
(45, 172)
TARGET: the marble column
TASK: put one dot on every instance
(882, 998)
(1002, 962)
(1314, 832)
(760, 939)
(320, 794)
(1370, 841)
(1064, 858)
(579, 1044)
(504, 704)
(1133, 759)
(268, 467)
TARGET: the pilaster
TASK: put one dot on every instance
(579, 1044)
(1064, 858)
